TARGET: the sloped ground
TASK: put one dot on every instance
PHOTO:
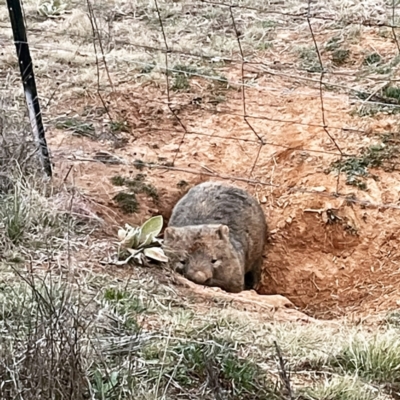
(327, 254)
(332, 255)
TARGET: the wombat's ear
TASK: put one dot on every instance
(223, 232)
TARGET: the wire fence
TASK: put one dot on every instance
(258, 57)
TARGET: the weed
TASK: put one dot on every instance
(309, 58)
(218, 365)
(265, 46)
(117, 180)
(182, 73)
(339, 388)
(76, 126)
(137, 185)
(392, 92)
(393, 319)
(127, 202)
(340, 56)
(376, 360)
(124, 301)
(356, 168)
(148, 68)
(269, 23)
(181, 82)
(332, 44)
(104, 386)
(119, 126)
(372, 59)
(139, 164)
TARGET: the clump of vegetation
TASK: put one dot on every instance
(340, 56)
(214, 367)
(339, 388)
(77, 127)
(147, 69)
(393, 318)
(119, 126)
(127, 202)
(309, 59)
(357, 168)
(376, 360)
(139, 164)
(392, 92)
(127, 199)
(333, 43)
(182, 74)
(141, 242)
(50, 8)
(372, 59)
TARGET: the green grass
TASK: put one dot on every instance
(127, 199)
(372, 59)
(376, 359)
(357, 168)
(340, 388)
(77, 127)
(72, 327)
(76, 332)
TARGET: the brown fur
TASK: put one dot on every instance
(216, 237)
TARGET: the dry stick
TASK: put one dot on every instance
(28, 81)
(285, 376)
(244, 93)
(321, 94)
(167, 78)
(94, 32)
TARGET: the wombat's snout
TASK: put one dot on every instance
(200, 277)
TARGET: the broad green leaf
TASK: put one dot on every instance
(151, 226)
(156, 253)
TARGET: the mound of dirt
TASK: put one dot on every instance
(328, 254)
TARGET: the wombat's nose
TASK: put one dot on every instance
(199, 277)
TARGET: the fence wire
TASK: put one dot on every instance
(316, 75)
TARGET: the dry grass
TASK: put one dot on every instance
(70, 331)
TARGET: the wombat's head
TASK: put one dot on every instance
(197, 251)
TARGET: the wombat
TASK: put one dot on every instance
(216, 237)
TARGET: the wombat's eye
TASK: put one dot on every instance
(213, 261)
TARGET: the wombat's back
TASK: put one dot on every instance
(216, 203)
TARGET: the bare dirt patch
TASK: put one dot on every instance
(327, 255)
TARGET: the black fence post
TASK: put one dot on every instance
(28, 80)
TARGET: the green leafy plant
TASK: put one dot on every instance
(51, 8)
(141, 242)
